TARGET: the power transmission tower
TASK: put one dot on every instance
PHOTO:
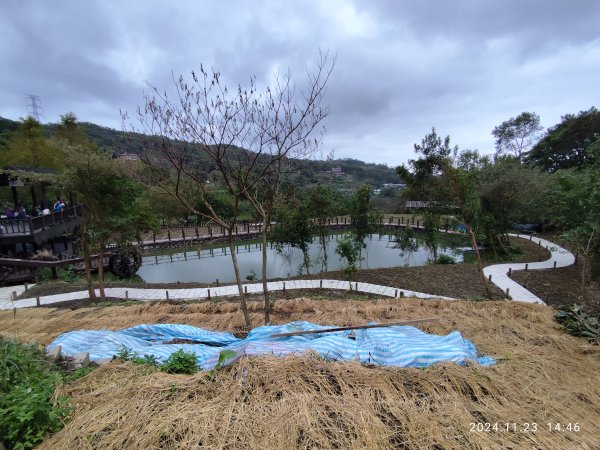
(34, 106)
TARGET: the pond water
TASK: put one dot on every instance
(207, 264)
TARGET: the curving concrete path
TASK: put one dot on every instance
(560, 257)
(499, 273)
(148, 295)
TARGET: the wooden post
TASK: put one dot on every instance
(167, 292)
(210, 232)
(507, 295)
(396, 293)
(321, 284)
(154, 237)
(509, 271)
(526, 266)
(355, 287)
(197, 234)
(217, 282)
(209, 294)
(284, 286)
(37, 301)
(245, 289)
(126, 295)
(401, 294)
(554, 265)
(183, 234)
(418, 223)
(26, 287)
(490, 277)
(169, 235)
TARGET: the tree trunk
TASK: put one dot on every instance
(479, 263)
(87, 261)
(323, 238)
(306, 260)
(584, 269)
(265, 275)
(100, 262)
(238, 279)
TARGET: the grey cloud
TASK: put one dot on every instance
(402, 67)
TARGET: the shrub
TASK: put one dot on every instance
(28, 409)
(578, 323)
(445, 259)
(181, 362)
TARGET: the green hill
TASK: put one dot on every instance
(344, 174)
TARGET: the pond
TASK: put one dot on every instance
(205, 265)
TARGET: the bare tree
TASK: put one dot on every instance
(242, 137)
(284, 122)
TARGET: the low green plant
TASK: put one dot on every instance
(79, 373)
(578, 323)
(181, 362)
(28, 407)
(515, 250)
(223, 356)
(445, 259)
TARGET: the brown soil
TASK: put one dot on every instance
(559, 287)
(543, 376)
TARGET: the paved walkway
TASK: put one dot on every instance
(499, 273)
(148, 295)
(560, 257)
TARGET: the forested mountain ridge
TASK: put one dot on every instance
(347, 171)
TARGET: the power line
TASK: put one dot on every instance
(34, 106)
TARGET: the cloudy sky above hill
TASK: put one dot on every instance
(402, 66)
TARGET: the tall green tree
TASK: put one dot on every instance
(115, 211)
(29, 148)
(572, 143)
(462, 185)
(295, 229)
(516, 135)
(422, 174)
(576, 199)
(364, 218)
(322, 206)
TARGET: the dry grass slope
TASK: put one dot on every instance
(543, 376)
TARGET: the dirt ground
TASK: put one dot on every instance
(543, 376)
(559, 287)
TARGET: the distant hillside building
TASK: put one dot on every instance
(337, 171)
(128, 156)
(416, 204)
(398, 186)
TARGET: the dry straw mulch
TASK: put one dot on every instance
(543, 375)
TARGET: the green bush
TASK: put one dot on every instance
(445, 259)
(28, 409)
(578, 323)
(181, 362)
(178, 362)
(515, 249)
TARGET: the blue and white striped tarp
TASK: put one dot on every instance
(400, 346)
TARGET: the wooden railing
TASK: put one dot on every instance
(30, 225)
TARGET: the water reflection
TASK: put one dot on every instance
(208, 264)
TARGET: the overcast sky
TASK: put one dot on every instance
(402, 66)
